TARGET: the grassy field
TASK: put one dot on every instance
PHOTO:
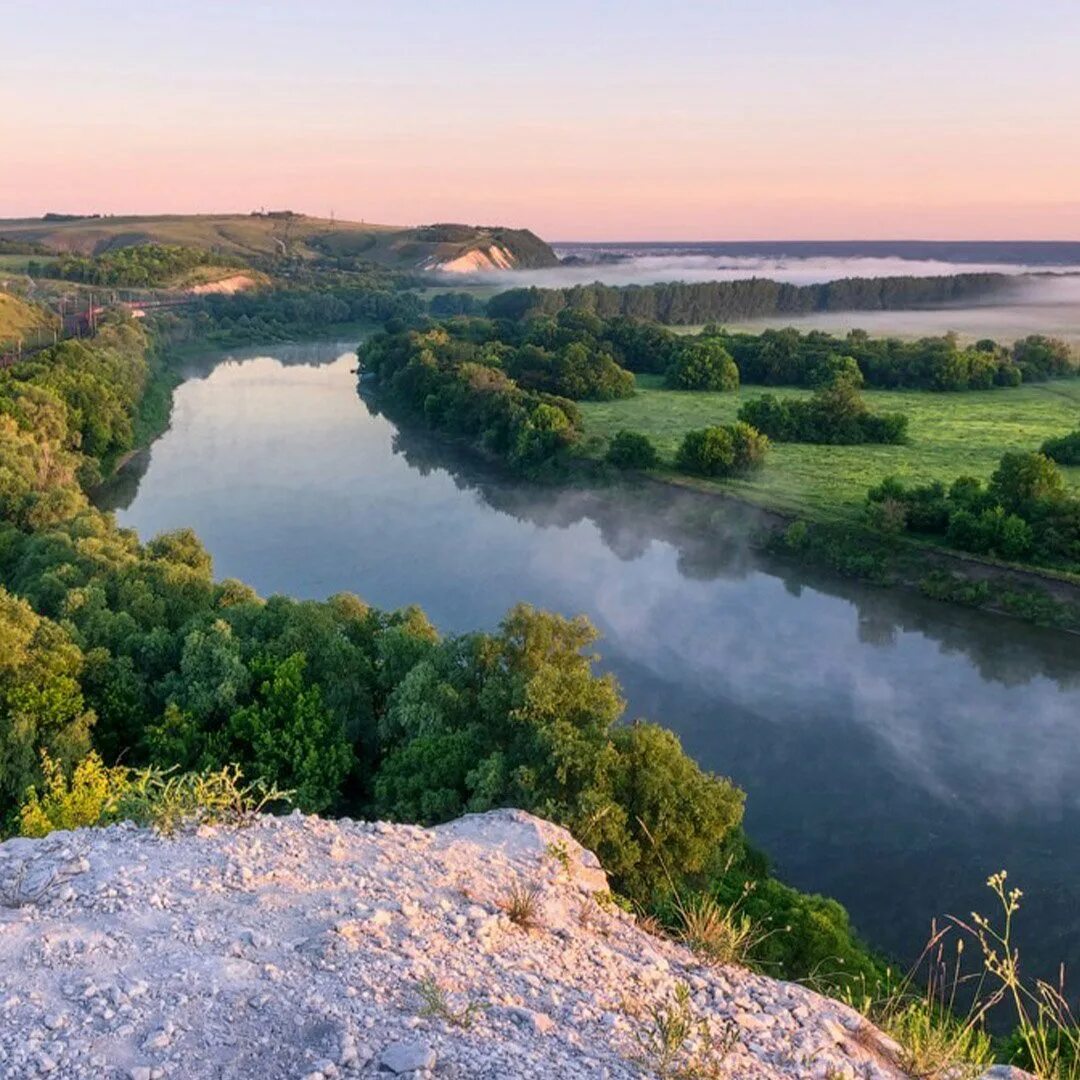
(951, 435)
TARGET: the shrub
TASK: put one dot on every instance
(632, 450)
(749, 446)
(96, 794)
(1022, 480)
(835, 414)
(707, 452)
(1065, 451)
(722, 451)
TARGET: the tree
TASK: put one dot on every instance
(1022, 480)
(41, 704)
(632, 450)
(722, 451)
(289, 738)
(703, 365)
(707, 452)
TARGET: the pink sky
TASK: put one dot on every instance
(727, 120)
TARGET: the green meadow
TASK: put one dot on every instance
(951, 435)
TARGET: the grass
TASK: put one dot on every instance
(522, 905)
(952, 434)
(674, 1043)
(718, 933)
(436, 1004)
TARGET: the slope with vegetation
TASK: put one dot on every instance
(21, 320)
(283, 234)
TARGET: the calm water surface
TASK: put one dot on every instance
(894, 751)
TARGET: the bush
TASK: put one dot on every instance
(632, 450)
(1065, 451)
(835, 414)
(722, 451)
(708, 452)
(96, 794)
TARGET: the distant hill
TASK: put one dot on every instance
(442, 246)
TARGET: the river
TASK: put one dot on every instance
(894, 751)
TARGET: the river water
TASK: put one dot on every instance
(894, 751)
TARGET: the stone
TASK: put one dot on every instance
(404, 1057)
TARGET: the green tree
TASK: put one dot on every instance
(1022, 480)
(41, 704)
(707, 452)
(632, 450)
(703, 364)
(288, 737)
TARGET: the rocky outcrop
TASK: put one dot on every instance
(304, 948)
(479, 260)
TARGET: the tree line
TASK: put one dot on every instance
(788, 357)
(687, 303)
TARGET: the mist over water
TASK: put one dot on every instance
(877, 735)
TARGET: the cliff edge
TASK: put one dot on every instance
(304, 948)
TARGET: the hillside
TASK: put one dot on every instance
(20, 319)
(425, 247)
(299, 947)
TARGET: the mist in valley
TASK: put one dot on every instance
(1044, 300)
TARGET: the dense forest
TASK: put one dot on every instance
(131, 652)
(685, 303)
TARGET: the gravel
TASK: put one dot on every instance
(309, 949)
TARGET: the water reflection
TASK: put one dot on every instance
(894, 750)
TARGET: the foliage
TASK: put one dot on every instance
(371, 296)
(1064, 450)
(96, 794)
(92, 796)
(1024, 513)
(704, 302)
(138, 266)
(437, 1004)
(42, 708)
(458, 386)
(522, 905)
(719, 933)
(632, 450)
(703, 365)
(722, 451)
(674, 1043)
(787, 357)
(835, 414)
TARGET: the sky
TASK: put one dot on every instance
(580, 119)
